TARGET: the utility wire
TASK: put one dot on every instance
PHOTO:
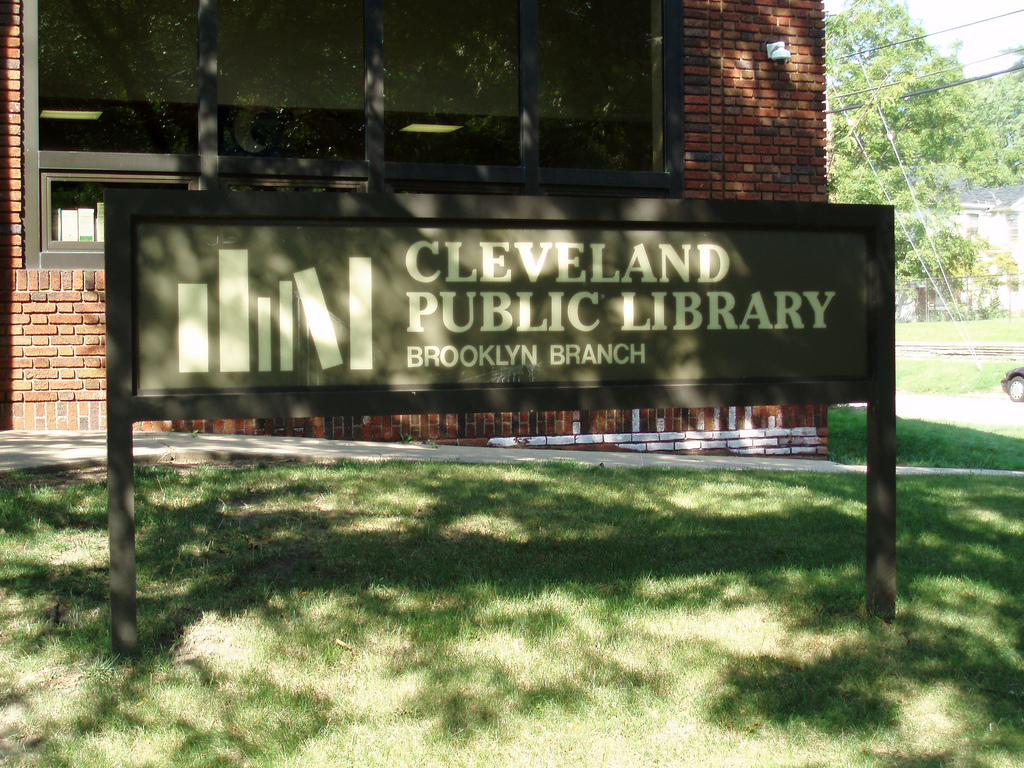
(903, 226)
(953, 312)
(872, 101)
(930, 34)
(938, 72)
(927, 230)
(906, 178)
(965, 81)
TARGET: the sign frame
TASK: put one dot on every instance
(127, 404)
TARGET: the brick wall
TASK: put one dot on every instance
(57, 359)
(11, 256)
(758, 430)
(762, 430)
(754, 129)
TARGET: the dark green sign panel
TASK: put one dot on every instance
(223, 305)
(266, 305)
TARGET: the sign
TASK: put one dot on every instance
(290, 304)
(314, 304)
(269, 305)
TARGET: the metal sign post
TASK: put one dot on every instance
(881, 429)
(236, 305)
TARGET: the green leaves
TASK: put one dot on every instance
(890, 143)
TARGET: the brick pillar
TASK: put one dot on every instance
(12, 364)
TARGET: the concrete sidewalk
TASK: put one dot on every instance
(38, 450)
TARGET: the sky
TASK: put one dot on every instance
(980, 41)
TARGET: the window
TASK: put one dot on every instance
(451, 97)
(117, 77)
(75, 203)
(511, 96)
(290, 84)
(600, 84)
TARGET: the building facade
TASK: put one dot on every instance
(993, 215)
(643, 98)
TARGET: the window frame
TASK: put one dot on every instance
(90, 252)
(374, 173)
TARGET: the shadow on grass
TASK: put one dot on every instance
(440, 553)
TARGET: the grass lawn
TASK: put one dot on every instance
(999, 330)
(955, 377)
(547, 615)
(928, 444)
(950, 377)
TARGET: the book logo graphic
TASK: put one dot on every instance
(235, 301)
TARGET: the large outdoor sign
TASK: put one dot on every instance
(333, 304)
(269, 305)
(292, 304)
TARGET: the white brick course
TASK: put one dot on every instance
(743, 442)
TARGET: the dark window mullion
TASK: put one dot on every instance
(208, 145)
(672, 29)
(373, 51)
(529, 84)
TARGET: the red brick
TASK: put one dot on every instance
(39, 397)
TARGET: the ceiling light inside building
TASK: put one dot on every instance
(69, 114)
(430, 128)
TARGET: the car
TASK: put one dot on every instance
(1013, 384)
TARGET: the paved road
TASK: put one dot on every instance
(994, 408)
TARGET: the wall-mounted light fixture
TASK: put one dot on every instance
(778, 52)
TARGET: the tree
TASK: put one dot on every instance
(998, 104)
(895, 138)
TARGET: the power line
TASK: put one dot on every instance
(930, 34)
(965, 81)
(936, 73)
(910, 187)
(962, 329)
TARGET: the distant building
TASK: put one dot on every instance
(994, 215)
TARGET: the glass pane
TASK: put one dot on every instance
(291, 78)
(451, 82)
(118, 76)
(601, 84)
(76, 207)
